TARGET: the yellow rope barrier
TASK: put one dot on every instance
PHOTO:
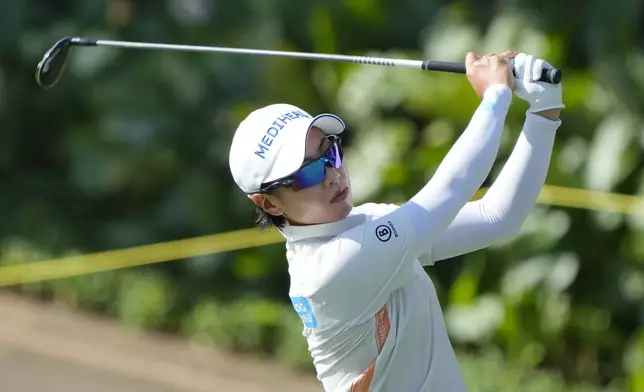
(248, 238)
(136, 256)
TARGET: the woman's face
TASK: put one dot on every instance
(326, 202)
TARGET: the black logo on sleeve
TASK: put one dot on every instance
(383, 232)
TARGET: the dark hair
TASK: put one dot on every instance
(265, 221)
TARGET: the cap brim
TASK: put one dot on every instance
(291, 155)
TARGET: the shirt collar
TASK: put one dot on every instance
(332, 229)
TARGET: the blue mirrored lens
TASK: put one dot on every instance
(310, 175)
(313, 173)
(333, 156)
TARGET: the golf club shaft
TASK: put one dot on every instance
(276, 53)
(552, 76)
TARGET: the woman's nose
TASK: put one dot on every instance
(331, 176)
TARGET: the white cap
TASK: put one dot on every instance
(271, 143)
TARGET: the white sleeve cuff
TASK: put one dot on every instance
(534, 120)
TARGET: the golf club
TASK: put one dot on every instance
(52, 65)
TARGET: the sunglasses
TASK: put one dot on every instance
(312, 173)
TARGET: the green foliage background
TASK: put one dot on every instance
(131, 148)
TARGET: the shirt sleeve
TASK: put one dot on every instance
(377, 257)
(500, 213)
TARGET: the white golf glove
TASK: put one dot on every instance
(540, 95)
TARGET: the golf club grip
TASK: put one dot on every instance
(552, 76)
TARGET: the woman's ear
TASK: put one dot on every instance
(269, 203)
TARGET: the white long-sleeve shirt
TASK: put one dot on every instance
(371, 315)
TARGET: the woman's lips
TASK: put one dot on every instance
(341, 195)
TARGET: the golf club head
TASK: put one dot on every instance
(52, 65)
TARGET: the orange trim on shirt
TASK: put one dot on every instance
(383, 325)
(363, 381)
